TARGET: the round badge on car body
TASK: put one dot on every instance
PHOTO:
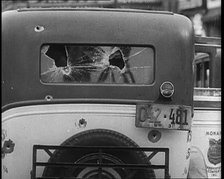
(154, 136)
(167, 89)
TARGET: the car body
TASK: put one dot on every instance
(38, 111)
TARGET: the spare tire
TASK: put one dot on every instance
(99, 137)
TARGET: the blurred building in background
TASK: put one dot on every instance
(205, 14)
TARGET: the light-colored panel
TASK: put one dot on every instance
(53, 124)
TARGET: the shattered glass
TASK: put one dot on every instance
(97, 64)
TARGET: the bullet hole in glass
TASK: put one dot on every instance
(96, 64)
(116, 59)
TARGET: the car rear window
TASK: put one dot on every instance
(107, 64)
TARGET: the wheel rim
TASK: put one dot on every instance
(97, 172)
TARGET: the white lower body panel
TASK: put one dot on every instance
(53, 124)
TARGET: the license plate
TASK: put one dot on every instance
(163, 116)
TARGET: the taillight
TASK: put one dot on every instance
(167, 89)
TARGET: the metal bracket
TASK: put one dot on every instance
(100, 165)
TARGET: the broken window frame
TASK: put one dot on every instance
(124, 69)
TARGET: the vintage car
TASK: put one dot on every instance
(96, 93)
